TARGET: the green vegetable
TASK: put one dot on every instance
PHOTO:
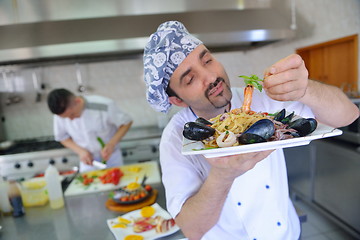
(102, 144)
(253, 80)
(207, 148)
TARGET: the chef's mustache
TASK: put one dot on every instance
(213, 84)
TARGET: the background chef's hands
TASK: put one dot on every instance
(287, 79)
(107, 151)
(230, 167)
(86, 157)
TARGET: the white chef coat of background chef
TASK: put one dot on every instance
(100, 118)
(258, 205)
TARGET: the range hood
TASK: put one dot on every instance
(36, 30)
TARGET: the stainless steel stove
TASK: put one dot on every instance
(30, 157)
(141, 144)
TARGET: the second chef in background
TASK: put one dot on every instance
(79, 121)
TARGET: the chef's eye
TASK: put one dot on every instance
(190, 81)
(208, 61)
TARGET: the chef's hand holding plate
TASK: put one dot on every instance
(230, 167)
(287, 79)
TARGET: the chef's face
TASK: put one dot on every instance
(74, 109)
(201, 82)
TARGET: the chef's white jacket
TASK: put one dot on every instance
(258, 206)
(100, 118)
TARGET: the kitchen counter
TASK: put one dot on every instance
(83, 217)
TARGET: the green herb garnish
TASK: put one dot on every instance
(207, 148)
(253, 80)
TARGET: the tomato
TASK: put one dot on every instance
(142, 194)
(148, 188)
(136, 197)
(124, 199)
(112, 176)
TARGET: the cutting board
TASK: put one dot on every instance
(131, 172)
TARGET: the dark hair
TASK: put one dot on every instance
(58, 100)
(170, 92)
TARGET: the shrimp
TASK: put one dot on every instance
(248, 92)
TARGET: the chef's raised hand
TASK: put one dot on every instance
(230, 167)
(86, 157)
(107, 151)
(287, 79)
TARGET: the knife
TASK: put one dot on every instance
(99, 165)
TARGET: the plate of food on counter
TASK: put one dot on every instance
(242, 130)
(150, 222)
(132, 193)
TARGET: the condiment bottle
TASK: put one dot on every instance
(53, 186)
(5, 205)
(15, 200)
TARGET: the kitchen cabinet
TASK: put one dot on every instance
(337, 181)
(300, 163)
(334, 62)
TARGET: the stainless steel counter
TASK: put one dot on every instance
(83, 217)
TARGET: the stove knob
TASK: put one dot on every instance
(65, 160)
(124, 153)
(153, 149)
(30, 164)
(52, 161)
(17, 165)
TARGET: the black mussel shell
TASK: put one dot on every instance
(248, 138)
(280, 115)
(260, 131)
(197, 131)
(304, 126)
(288, 118)
(203, 121)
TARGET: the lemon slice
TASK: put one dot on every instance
(119, 225)
(147, 211)
(133, 186)
(123, 220)
(134, 237)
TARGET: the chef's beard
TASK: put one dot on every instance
(214, 84)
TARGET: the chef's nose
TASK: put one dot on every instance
(208, 76)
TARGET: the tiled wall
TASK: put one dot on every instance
(318, 21)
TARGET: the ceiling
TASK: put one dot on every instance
(36, 30)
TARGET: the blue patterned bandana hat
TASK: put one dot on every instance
(164, 52)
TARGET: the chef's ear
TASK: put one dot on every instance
(177, 101)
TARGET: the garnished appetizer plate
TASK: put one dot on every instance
(148, 223)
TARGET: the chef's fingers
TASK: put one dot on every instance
(290, 62)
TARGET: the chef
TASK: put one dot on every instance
(85, 123)
(242, 196)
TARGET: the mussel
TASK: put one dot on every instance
(197, 131)
(304, 126)
(280, 116)
(203, 121)
(260, 131)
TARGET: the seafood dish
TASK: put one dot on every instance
(234, 129)
(243, 126)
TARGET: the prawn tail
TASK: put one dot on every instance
(248, 92)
